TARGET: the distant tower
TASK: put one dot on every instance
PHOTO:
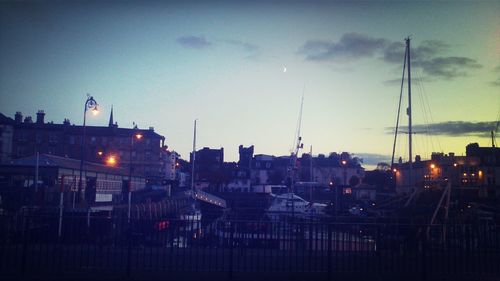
(111, 123)
(246, 155)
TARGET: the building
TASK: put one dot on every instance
(209, 168)
(103, 144)
(6, 135)
(240, 178)
(490, 166)
(101, 184)
(466, 174)
(171, 164)
(335, 170)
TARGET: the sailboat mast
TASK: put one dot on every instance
(194, 159)
(410, 134)
(399, 111)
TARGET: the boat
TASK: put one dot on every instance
(290, 204)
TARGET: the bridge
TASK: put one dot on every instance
(210, 198)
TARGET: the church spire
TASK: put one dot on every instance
(111, 123)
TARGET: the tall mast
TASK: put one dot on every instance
(293, 158)
(399, 112)
(194, 159)
(311, 177)
(410, 170)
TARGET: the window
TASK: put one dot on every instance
(53, 139)
(72, 140)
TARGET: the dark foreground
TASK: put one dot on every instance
(35, 248)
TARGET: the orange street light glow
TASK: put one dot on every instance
(344, 162)
(99, 153)
(95, 111)
(138, 136)
(433, 166)
(111, 160)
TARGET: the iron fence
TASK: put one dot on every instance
(43, 246)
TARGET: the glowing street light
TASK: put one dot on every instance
(433, 166)
(90, 103)
(111, 160)
(137, 136)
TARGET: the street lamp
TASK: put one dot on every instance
(90, 103)
(111, 160)
(137, 136)
(344, 163)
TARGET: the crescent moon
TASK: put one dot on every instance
(284, 68)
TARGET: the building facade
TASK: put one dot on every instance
(103, 144)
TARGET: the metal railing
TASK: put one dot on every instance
(109, 247)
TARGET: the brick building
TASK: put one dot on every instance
(102, 143)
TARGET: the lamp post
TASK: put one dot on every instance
(337, 203)
(344, 163)
(137, 136)
(90, 103)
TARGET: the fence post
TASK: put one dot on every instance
(424, 254)
(129, 249)
(25, 245)
(329, 247)
(231, 246)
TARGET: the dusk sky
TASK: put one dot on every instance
(241, 70)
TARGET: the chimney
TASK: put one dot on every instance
(28, 119)
(66, 121)
(40, 115)
(18, 117)
(418, 158)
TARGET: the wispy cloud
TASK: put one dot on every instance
(453, 128)
(425, 56)
(496, 83)
(373, 159)
(246, 46)
(448, 67)
(429, 56)
(351, 46)
(195, 42)
(394, 53)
